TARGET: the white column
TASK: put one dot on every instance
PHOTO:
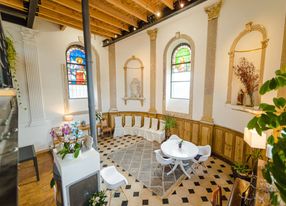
(36, 103)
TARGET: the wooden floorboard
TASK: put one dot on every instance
(33, 192)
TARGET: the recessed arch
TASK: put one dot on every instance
(170, 46)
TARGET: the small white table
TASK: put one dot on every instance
(171, 149)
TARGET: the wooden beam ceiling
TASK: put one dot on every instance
(104, 7)
(168, 3)
(33, 6)
(16, 4)
(50, 8)
(147, 5)
(75, 6)
(77, 23)
(128, 9)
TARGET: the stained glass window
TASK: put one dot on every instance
(76, 71)
(181, 72)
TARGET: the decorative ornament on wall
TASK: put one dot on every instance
(245, 72)
(133, 80)
(246, 66)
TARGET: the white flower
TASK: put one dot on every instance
(93, 204)
(97, 199)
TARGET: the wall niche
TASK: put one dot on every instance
(246, 66)
(133, 80)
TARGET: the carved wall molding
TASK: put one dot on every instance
(153, 36)
(140, 96)
(35, 94)
(190, 41)
(213, 10)
(112, 78)
(249, 27)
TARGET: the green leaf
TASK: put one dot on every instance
(76, 153)
(267, 107)
(52, 183)
(252, 123)
(266, 175)
(264, 88)
(279, 102)
(270, 140)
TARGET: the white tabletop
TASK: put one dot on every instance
(171, 149)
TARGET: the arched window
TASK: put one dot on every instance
(76, 71)
(180, 72)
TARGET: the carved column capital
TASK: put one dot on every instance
(152, 34)
(213, 10)
(29, 35)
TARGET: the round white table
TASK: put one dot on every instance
(171, 149)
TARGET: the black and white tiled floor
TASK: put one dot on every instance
(195, 191)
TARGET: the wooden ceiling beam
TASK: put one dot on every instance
(129, 9)
(168, 3)
(64, 6)
(100, 6)
(63, 20)
(33, 5)
(77, 16)
(16, 4)
(146, 5)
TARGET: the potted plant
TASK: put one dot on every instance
(98, 199)
(241, 171)
(170, 122)
(70, 146)
(272, 117)
(180, 144)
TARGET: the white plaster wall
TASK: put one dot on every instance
(52, 44)
(138, 46)
(234, 15)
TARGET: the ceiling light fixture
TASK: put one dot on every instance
(134, 28)
(182, 4)
(115, 36)
(158, 14)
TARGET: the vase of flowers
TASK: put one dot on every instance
(245, 72)
(180, 144)
(70, 146)
(98, 199)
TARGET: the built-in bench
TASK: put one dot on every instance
(153, 129)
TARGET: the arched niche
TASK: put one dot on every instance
(248, 48)
(167, 102)
(133, 80)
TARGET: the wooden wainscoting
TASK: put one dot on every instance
(226, 143)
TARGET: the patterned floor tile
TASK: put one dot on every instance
(194, 191)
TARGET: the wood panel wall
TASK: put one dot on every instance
(226, 143)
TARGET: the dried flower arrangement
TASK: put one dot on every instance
(245, 71)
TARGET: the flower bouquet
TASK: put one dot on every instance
(71, 146)
(98, 199)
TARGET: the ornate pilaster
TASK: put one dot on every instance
(112, 78)
(282, 91)
(213, 10)
(36, 103)
(153, 36)
(213, 14)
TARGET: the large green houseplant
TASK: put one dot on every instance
(273, 117)
(170, 123)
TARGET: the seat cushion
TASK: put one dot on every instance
(26, 153)
(112, 178)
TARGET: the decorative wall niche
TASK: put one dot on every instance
(133, 80)
(246, 66)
